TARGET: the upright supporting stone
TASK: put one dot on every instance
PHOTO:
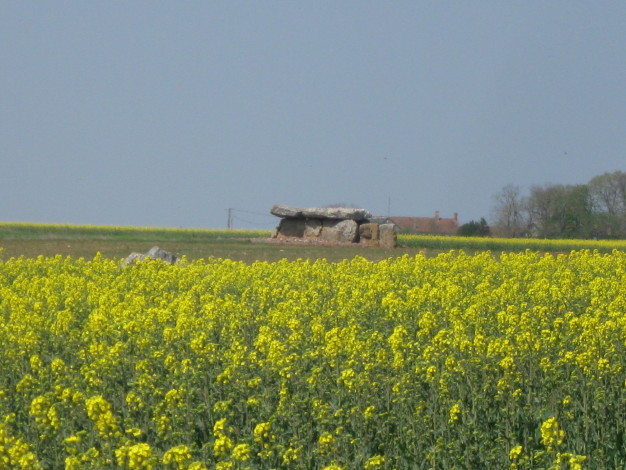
(312, 228)
(369, 231)
(344, 231)
(388, 236)
(291, 228)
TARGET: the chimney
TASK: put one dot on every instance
(456, 217)
(437, 215)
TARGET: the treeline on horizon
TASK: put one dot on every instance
(593, 210)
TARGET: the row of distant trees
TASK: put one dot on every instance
(593, 210)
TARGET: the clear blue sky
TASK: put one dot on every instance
(167, 113)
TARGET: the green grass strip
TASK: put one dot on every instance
(32, 231)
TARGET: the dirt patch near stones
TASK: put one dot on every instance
(298, 241)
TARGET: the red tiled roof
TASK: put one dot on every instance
(431, 225)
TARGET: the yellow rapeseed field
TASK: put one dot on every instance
(515, 361)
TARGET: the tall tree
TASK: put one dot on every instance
(508, 211)
(561, 211)
(608, 195)
(609, 192)
(542, 203)
(596, 209)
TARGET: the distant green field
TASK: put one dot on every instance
(32, 240)
(42, 231)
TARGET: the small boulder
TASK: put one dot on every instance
(154, 253)
(159, 253)
(133, 258)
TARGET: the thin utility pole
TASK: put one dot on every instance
(229, 224)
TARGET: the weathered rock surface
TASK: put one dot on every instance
(388, 236)
(133, 258)
(159, 253)
(312, 228)
(339, 213)
(282, 210)
(368, 231)
(154, 253)
(291, 227)
(343, 231)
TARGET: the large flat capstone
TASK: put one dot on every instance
(337, 213)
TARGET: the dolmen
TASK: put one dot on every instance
(332, 225)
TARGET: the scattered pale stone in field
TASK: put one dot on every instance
(154, 253)
(133, 258)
